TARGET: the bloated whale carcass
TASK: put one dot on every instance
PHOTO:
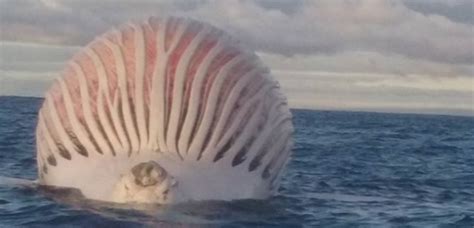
(164, 111)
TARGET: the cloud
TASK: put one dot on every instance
(386, 27)
(366, 62)
(305, 27)
(33, 52)
(456, 10)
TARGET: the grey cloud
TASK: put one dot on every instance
(24, 52)
(283, 27)
(373, 62)
(76, 22)
(36, 22)
(285, 6)
(334, 26)
(456, 10)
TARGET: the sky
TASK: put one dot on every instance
(413, 56)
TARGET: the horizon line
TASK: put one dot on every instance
(428, 112)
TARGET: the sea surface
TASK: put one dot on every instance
(348, 169)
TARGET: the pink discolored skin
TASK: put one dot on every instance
(165, 87)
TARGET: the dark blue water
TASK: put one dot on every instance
(348, 170)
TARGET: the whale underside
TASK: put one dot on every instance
(164, 110)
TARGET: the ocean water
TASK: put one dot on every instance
(348, 169)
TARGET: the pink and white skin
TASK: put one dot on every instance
(164, 111)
